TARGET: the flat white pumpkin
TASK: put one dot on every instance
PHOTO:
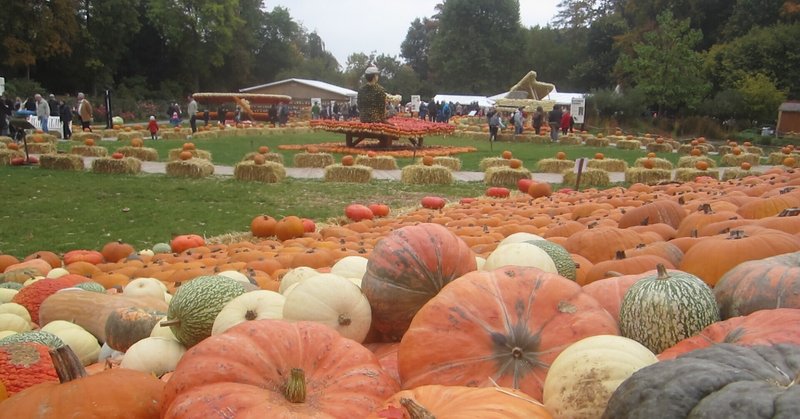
(520, 254)
(519, 238)
(14, 323)
(144, 287)
(331, 300)
(236, 276)
(82, 342)
(17, 309)
(57, 273)
(294, 276)
(479, 261)
(6, 294)
(4, 333)
(583, 377)
(32, 280)
(58, 325)
(153, 355)
(146, 252)
(162, 332)
(350, 267)
(253, 305)
(107, 353)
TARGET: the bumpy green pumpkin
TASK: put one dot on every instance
(11, 285)
(38, 336)
(195, 306)
(561, 257)
(91, 286)
(162, 248)
(660, 310)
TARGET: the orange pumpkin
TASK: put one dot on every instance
(45, 255)
(758, 285)
(188, 146)
(515, 163)
(263, 226)
(561, 155)
(348, 160)
(185, 242)
(137, 142)
(116, 251)
(185, 155)
(506, 155)
(289, 227)
(259, 159)
(90, 256)
(24, 364)
(427, 160)
(263, 149)
(89, 142)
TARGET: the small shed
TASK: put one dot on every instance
(303, 90)
(788, 117)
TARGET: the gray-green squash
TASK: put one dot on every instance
(39, 336)
(561, 257)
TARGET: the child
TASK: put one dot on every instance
(152, 126)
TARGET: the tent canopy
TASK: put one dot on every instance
(483, 101)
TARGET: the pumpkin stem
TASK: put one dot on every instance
(296, 386)
(737, 234)
(344, 320)
(789, 212)
(250, 315)
(415, 410)
(619, 255)
(67, 365)
(706, 208)
(168, 323)
(645, 221)
(662, 271)
(693, 233)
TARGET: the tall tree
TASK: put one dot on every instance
(277, 49)
(417, 45)
(747, 14)
(581, 13)
(477, 46)
(666, 67)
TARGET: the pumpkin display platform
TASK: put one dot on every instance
(654, 162)
(609, 165)
(554, 165)
(589, 178)
(89, 151)
(41, 148)
(313, 160)
(736, 160)
(125, 165)
(419, 174)
(192, 168)
(647, 176)
(61, 162)
(141, 153)
(377, 162)
(267, 172)
(691, 161)
(393, 128)
(505, 176)
(354, 174)
(629, 144)
(273, 157)
(175, 154)
(687, 174)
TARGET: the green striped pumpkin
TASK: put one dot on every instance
(39, 336)
(561, 257)
(195, 306)
(660, 310)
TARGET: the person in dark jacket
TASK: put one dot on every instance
(538, 118)
(65, 113)
(273, 115)
(54, 105)
(554, 120)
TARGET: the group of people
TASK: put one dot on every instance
(44, 110)
(558, 120)
(334, 110)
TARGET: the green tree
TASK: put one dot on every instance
(277, 49)
(665, 66)
(354, 69)
(552, 53)
(596, 70)
(477, 46)
(761, 96)
(581, 13)
(417, 45)
(747, 14)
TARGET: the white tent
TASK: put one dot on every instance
(483, 101)
(558, 97)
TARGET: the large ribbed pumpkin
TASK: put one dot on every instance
(661, 211)
(661, 310)
(504, 326)
(406, 269)
(276, 369)
(760, 284)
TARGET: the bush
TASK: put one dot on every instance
(23, 88)
(700, 126)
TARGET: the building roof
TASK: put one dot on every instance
(313, 83)
(483, 101)
(789, 107)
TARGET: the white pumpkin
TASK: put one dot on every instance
(146, 252)
(331, 300)
(153, 355)
(236, 276)
(14, 323)
(294, 276)
(167, 297)
(350, 267)
(162, 332)
(17, 309)
(519, 238)
(356, 281)
(144, 287)
(32, 280)
(585, 374)
(107, 353)
(6, 294)
(479, 261)
(253, 305)
(82, 342)
(520, 254)
(57, 273)
(57, 325)
(4, 333)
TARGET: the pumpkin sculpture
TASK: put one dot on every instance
(406, 269)
(505, 326)
(272, 368)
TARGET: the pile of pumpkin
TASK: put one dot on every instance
(539, 304)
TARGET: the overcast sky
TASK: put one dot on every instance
(349, 26)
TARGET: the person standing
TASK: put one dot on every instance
(273, 115)
(283, 114)
(152, 126)
(84, 112)
(65, 114)
(566, 122)
(191, 109)
(432, 110)
(495, 123)
(54, 106)
(5, 113)
(221, 111)
(538, 117)
(42, 112)
(519, 122)
(554, 120)
(315, 111)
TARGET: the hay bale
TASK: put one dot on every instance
(609, 165)
(568, 139)
(687, 149)
(127, 165)
(42, 138)
(205, 135)
(192, 168)
(732, 160)
(417, 174)
(647, 176)
(269, 172)
(597, 142)
(659, 148)
(754, 150)
(686, 174)
(318, 160)
(505, 137)
(69, 162)
(451, 163)
(647, 140)
(82, 136)
(89, 151)
(589, 177)
(109, 133)
(691, 161)
(351, 174)
(505, 176)
(724, 149)
(41, 148)
(172, 135)
(272, 157)
(658, 163)
(175, 153)
(613, 139)
(377, 162)
(6, 155)
(489, 162)
(129, 135)
(738, 173)
(629, 144)
(554, 165)
(141, 153)
(776, 159)
(6, 140)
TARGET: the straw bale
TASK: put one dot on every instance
(647, 140)
(6, 155)
(109, 133)
(354, 174)
(174, 154)
(89, 151)
(61, 162)
(126, 165)
(377, 162)
(597, 142)
(269, 172)
(691, 161)
(613, 139)
(554, 165)
(629, 144)
(568, 139)
(687, 149)
(776, 159)
(273, 157)
(589, 177)
(41, 148)
(6, 140)
(85, 135)
(686, 174)
(451, 163)
(318, 160)
(505, 176)
(129, 135)
(647, 176)
(141, 153)
(172, 135)
(754, 150)
(738, 173)
(47, 138)
(609, 165)
(659, 148)
(505, 137)
(488, 162)
(658, 163)
(205, 135)
(3, 145)
(724, 149)
(732, 160)
(418, 174)
(193, 168)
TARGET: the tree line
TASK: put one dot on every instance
(729, 59)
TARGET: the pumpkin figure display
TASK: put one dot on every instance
(504, 326)
(406, 269)
(277, 369)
